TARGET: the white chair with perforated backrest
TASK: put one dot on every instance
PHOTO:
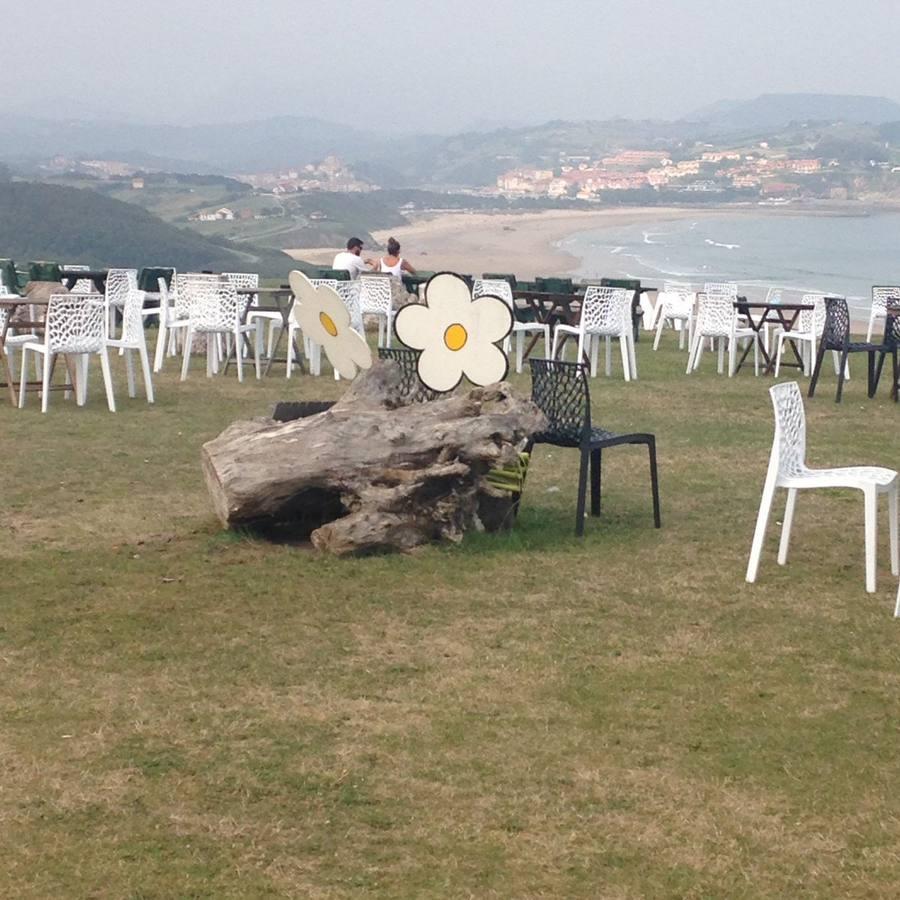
(605, 313)
(788, 469)
(675, 307)
(377, 299)
(131, 340)
(180, 302)
(82, 285)
(805, 336)
(717, 319)
(880, 296)
(75, 325)
(119, 284)
(250, 281)
(216, 310)
(498, 287)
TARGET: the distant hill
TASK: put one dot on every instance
(226, 147)
(42, 221)
(773, 111)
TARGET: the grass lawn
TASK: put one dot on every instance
(190, 713)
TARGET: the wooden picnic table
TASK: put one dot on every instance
(760, 313)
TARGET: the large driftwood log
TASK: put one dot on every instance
(370, 474)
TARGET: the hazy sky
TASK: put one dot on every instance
(435, 66)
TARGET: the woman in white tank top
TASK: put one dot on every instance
(393, 263)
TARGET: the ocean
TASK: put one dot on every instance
(806, 253)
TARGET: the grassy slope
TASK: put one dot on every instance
(190, 713)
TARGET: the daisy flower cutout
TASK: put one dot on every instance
(456, 334)
(323, 318)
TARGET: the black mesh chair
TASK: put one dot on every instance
(890, 347)
(560, 390)
(836, 337)
(412, 388)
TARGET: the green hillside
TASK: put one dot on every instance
(41, 221)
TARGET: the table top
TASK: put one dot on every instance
(10, 302)
(271, 291)
(764, 304)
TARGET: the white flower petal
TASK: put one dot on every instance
(485, 364)
(449, 296)
(439, 368)
(417, 326)
(491, 319)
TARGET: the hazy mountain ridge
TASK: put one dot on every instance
(42, 221)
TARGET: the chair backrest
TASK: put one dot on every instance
(350, 292)
(605, 310)
(812, 321)
(677, 302)
(132, 319)
(411, 385)
(560, 390)
(215, 306)
(881, 293)
(836, 333)
(75, 323)
(554, 285)
(493, 287)
(508, 277)
(721, 288)
(789, 445)
(716, 314)
(774, 295)
(677, 286)
(242, 279)
(119, 283)
(375, 294)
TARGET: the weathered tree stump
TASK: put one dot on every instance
(372, 473)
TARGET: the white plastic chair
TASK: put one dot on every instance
(717, 318)
(606, 313)
(788, 469)
(74, 325)
(497, 287)
(880, 296)
(132, 339)
(349, 292)
(376, 299)
(119, 284)
(675, 307)
(216, 310)
(805, 336)
(13, 341)
(181, 301)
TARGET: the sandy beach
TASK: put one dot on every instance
(522, 243)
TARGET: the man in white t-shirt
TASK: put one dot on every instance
(350, 260)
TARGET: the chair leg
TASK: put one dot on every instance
(721, 365)
(817, 368)
(893, 516)
(107, 379)
(626, 364)
(596, 478)
(779, 346)
(608, 340)
(23, 375)
(520, 349)
(784, 545)
(632, 356)
(869, 330)
(759, 534)
(45, 382)
(160, 345)
(186, 352)
(694, 354)
(145, 367)
(840, 385)
(871, 503)
(654, 483)
(659, 331)
(129, 373)
(582, 491)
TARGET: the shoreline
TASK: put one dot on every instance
(527, 243)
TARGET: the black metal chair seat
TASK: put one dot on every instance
(560, 390)
(861, 347)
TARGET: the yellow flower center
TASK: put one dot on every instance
(455, 337)
(328, 323)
